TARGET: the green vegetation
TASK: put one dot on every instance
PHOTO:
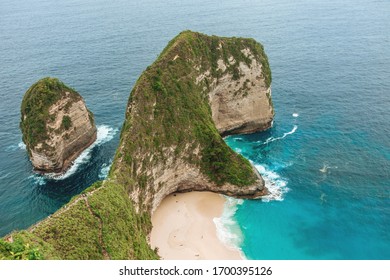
(99, 226)
(66, 122)
(172, 110)
(124, 232)
(212, 48)
(25, 246)
(18, 250)
(168, 117)
(35, 108)
(91, 116)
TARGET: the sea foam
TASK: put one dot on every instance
(276, 185)
(272, 139)
(37, 179)
(104, 170)
(14, 147)
(228, 230)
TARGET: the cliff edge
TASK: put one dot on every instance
(56, 125)
(199, 88)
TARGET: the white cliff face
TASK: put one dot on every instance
(243, 105)
(240, 105)
(63, 145)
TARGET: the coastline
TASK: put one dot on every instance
(184, 228)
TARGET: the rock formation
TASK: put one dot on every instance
(243, 105)
(56, 125)
(199, 88)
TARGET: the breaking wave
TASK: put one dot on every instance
(228, 230)
(272, 139)
(20, 146)
(276, 185)
(104, 170)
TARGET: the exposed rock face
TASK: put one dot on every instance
(56, 125)
(183, 177)
(201, 87)
(244, 105)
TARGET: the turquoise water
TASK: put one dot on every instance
(326, 159)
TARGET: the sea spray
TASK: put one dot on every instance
(228, 230)
(22, 146)
(19, 146)
(276, 185)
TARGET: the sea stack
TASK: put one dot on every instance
(56, 125)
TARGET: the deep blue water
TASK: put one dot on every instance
(328, 167)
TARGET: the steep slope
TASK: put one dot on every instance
(56, 125)
(199, 88)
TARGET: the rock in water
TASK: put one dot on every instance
(56, 125)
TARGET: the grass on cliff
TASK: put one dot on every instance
(35, 108)
(25, 246)
(105, 222)
(213, 48)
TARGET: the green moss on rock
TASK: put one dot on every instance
(35, 108)
(172, 110)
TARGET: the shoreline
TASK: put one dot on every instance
(184, 228)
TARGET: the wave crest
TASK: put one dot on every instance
(275, 184)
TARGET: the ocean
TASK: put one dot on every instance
(326, 160)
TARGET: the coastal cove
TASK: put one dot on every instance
(325, 160)
(192, 232)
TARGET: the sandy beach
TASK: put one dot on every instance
(183, 228)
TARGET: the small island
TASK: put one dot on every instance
(199, 89)
(56, 125)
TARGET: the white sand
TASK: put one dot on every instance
(183, 228)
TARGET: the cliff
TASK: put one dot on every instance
(199, 88)
(56, 125)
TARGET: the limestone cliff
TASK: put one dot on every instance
(241, 105)
(199, 88)
(56, 125)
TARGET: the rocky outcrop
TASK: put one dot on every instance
(56, 125)
(200, 88)
(244, 105)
